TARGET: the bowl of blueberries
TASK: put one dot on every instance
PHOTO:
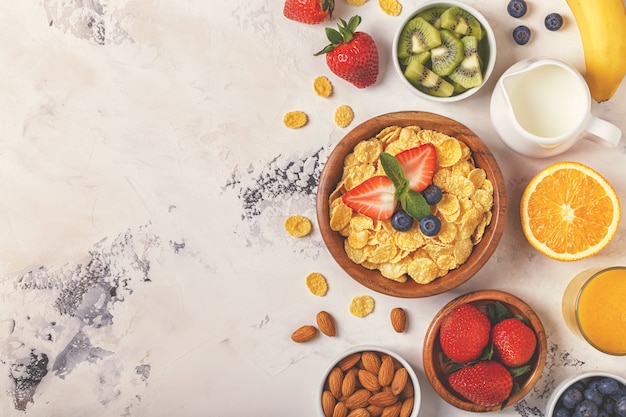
(590, 394)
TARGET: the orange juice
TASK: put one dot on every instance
(594, 306)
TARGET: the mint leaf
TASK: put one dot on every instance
(415, 204)
(392, 168)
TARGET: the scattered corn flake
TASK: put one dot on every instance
(362, 305)
(390, 7)
(298, 226)
(344, 115)
(317, 284)
(295, 119)
(322, 86)
(356, 2)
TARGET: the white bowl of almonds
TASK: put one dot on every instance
(358, 197)
(368, 381)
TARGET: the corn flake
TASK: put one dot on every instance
(356, 2)
(295, 119)
(317, 284)
(423, 270)
(298, 226)
(390, 7)
(344, 115)
(323, 86)
(362, 305)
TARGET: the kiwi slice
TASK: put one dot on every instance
(422, 57)
(469, 72)
(417, 36)
(448, 55)
(433, 15)
(462, 22)
(427, 81)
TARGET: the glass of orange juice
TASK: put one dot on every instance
(594, 307)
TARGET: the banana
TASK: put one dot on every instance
(602, 27)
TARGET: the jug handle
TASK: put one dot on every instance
(603, 132)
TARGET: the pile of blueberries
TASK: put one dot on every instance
(592, 397)
(521, 33)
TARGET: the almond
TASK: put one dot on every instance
(349, 361)
(359, 412)
(328, 403)
(399, 381)
(383, 399)
(335, 379)
(325, 323)
(304, 334)
(392, 410)
(407, 407)
(386, 371)
(348, 384)
(398, 319)
(374, 410)
(360, 399)
(408, 390)
(371, 362)
(368, 380)
(340, 410)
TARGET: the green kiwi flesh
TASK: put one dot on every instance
(433, 15)
(448, 55)
(417, 36)
(427, 81)
(469, 73)
(461, 22)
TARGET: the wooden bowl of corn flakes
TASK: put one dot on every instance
(408, 264)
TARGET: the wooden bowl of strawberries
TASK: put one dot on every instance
(411, 204)
(484, 351)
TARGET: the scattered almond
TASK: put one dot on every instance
(304, 334)
(325, 323)
(386, 371)
(398, 319)
(383, 399)
(328, 403)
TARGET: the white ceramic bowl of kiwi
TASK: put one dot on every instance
(444, 51)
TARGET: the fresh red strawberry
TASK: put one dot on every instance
(352, 55)
(486, 383)
(513, 342)
(418, 165)
(464, 333)
(309, 11)
(374, 198)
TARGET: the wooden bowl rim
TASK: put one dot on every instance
(372, 279)
(430, 351)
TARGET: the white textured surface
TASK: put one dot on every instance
(145, 175)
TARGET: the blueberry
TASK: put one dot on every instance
(571, 397)
(521, 35)
(561, 412)
(608, 404)
(620, 406)
(608, 386)
(430, 225)
(592, 394)
(432, 194)
(517, 8)
(401, 220)
(554, 21)
(586, 408)
(603, 413)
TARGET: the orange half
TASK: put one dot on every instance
(569, 211)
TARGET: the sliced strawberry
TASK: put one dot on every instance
(374, 198)
(418, 165)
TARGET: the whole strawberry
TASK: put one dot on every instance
(514, 342)
(486, 383)
(464, 333)
(352, 55)
(309, 11)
